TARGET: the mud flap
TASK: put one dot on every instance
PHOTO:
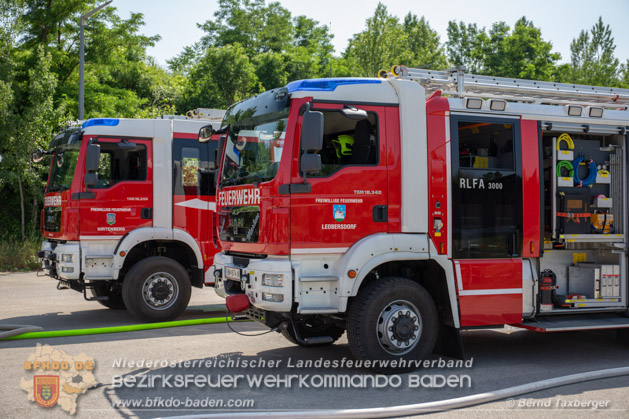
(449, 342)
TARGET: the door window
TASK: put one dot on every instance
(192, 173)
(487, 188)
(118, 165)
(347, 142)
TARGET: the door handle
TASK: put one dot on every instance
(380, 213)
(146, 213)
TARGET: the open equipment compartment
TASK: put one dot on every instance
(583, 266)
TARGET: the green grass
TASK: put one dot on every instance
(17, 255)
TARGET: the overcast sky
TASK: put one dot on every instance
(560, 20)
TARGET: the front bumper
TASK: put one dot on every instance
(62, 261)
(265, 297)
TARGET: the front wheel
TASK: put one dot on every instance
(392, 319)
(156, 289)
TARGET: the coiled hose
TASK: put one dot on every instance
(591, 175)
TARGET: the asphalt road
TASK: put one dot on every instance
(500, 358)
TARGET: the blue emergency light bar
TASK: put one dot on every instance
(106, 122)
(325, 85)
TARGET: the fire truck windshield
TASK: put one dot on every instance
(66, 146)
(257, 127)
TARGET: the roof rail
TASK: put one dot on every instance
(455, 82)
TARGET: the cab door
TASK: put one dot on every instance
(347, 200)
(194, 192)
(487, 218)
(122, 198)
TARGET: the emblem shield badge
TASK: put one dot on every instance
(111, 218)
(339, 212)
(46, 390)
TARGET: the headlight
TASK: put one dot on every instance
(273, 280)
(67, 258)
(67, 270)
(275, 298)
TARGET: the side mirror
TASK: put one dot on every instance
(354, 113)
(92, 158)
(310, 163)
(312, 131)
(205, 133)
(38, 155)
(91, 179)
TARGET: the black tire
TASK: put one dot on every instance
(156, 289)
(311, 327)
(392, 319)
(111, 291)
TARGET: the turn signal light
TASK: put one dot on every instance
(351, 274)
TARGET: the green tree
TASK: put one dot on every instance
(120, 80)
(422, 45)
(264, 37)
(39, 42)
(25, 126)
(378, 46)
(257, 27)
(223, 76)
(518, 53)
(625, 75)
(592, 56)
(464, 46)
(386, 42)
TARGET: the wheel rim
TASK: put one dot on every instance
(160, 290)
(399, 327)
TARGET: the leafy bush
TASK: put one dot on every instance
(17, 255)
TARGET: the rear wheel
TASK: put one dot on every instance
(392, 319)
(313, 326)
(110, 290)
(156, 289)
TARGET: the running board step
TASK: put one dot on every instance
(575, 323)
(309, 341)
(319, 340)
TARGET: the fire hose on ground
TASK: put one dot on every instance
(18, 332)
(15, 332)
(429, 407)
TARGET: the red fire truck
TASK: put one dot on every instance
(408, 207)
(127, 209)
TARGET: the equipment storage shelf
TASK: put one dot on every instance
(585, 214)
(583, 279)
(586, 238)
(584, 176)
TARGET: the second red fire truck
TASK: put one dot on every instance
(127, 209)
(406, 208)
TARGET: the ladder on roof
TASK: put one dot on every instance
(455, 82)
